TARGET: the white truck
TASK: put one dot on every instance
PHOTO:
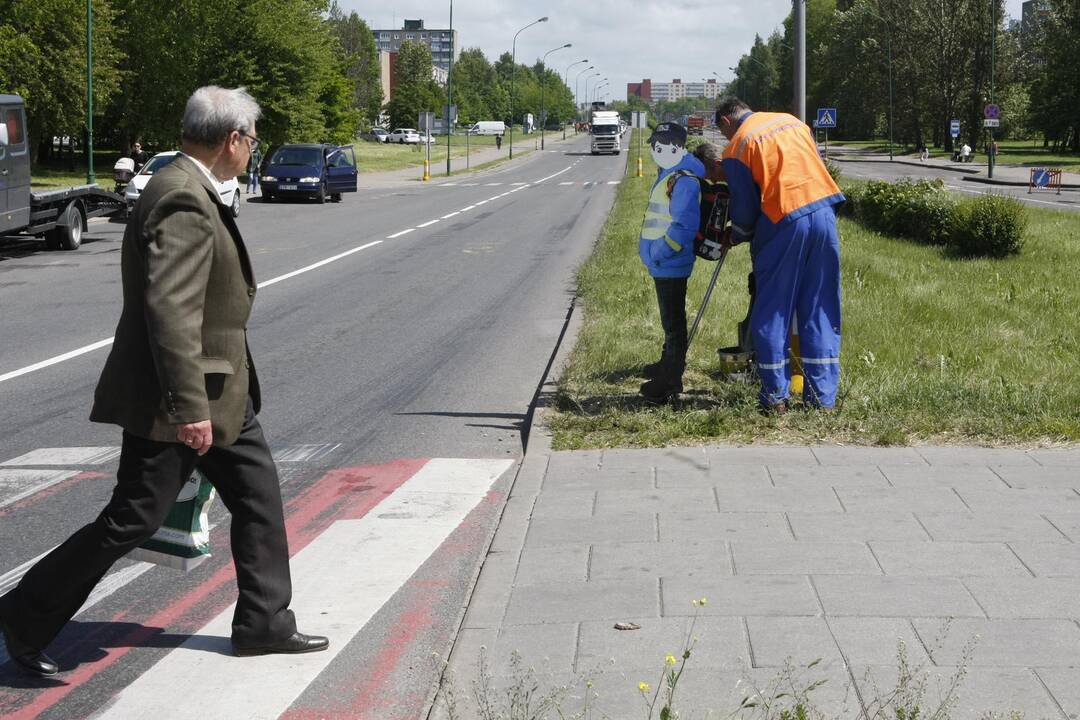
(604, 131)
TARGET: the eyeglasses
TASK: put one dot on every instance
(255, 142)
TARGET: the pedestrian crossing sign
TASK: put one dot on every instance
(826, 118)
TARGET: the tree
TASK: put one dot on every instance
(473, 78)
(416, 90)
(43, 55)
(1055, 91)
(360, 58)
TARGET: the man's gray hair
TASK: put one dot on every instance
(730, 107)
(213, 112)
(708, 152)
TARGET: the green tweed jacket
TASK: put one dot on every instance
(180, 354)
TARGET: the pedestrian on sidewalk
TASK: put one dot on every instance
(924, 154)
(965, 153)
(498, 142)
(666, 246)
(181, 383)
(783, 201)
(253, 169)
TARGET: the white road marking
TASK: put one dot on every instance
(16, 484)
(469, 184)
(341, 580)
(554, 175)
(518, 183)
(58, 359)
(429, 222)
(399, 234)
(567, 183)
(493, 184)
(449, 184)
(482, 202)
(319, 264)
(467, 208)
(304, 453)
(613, 182)
(523, 187)
(450, 215)
(67, 456)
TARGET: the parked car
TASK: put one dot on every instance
(228, 190)
(379, 134)
(488, 127)
(404, 135)
(426, 137)
(315, 171)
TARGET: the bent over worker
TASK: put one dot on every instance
(783, 202)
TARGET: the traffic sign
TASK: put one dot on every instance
(1039, 177)
(639, 119)
(954, 128)
(991, 123)
(991, 112)
(826, 118)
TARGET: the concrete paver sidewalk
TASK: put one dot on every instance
(802, 553)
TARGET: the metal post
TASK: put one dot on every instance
(577, 96)
(90, 180)
(513, 68)
(993, 37)
(449, 90)
(892, 115)
(566, 82)
(543, 83)
(800, 59)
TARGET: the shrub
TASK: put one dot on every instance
(988, 226)
(834, 171)
(920, 210)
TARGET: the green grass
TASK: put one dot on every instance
(934, 350)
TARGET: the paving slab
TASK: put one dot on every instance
(624, 527)
(1064, 685)
(895, 596)
(641, 561)
(687, 499)
(1035, 500)
(932, 499)
(561, 563)
(686, 459)
(833, 476)
(948, 559)
(741, 595)
(580, 601)
(549, 647)
(1005, 643)
(749, 475)
(1061, 477)
(954, 476)
(1049, 559)
(980, 692)
(989, 457)
(1000, 526)
(564, 504)
(840, 455)
(877, 640)
(1027, 597)
(1067, 525)
(857, 526)
(1057, 457)
(770, 455)
(803, 558)
(775, 499)
(776, 641)
(698, 527)
(720, 643)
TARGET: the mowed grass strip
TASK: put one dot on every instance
(935, 349)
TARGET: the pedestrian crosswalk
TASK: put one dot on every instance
(357, 535)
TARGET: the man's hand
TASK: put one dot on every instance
(198, 436)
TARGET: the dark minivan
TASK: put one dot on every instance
(309, 171)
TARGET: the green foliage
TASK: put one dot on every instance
(988, 226)
(920, 210)
(360, 59)
(416, 90)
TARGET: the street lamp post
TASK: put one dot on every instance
(449, 90)
(991, 155)
(587, 79)
(577, 95)
(888, 45)
(543, 82)
(90, 180)
(513, 68)
(742, 82)
(566, 82)
(596, 90)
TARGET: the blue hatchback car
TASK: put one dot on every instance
(316, 171)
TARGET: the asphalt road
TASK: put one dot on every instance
(415, 320)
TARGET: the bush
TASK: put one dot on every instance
(988, 226)
(834, 171)
(920, 210)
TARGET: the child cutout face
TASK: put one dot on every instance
(667, 156)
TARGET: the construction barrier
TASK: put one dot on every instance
(1044, 179)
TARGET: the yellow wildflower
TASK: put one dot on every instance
(643, 687)
(670, 659)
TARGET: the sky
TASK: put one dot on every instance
(625, 40)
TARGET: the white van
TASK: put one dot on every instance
(488, 127)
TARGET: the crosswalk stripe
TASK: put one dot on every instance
(17, 484)
(347, 574)
(66, 456)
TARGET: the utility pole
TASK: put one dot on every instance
(800, 59)
(449, 90)
(993, 36)
(90, 180)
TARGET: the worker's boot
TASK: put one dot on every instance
(668, 382)
(653, 370)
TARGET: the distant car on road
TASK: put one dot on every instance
(379, 134)
(228, 190)
(315, 171)
(426, 137)
(404, 135)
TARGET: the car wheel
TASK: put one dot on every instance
(67, 235)
(336, 197)
(268, 197)
(236, 203)
(321, 197)
(401, 141)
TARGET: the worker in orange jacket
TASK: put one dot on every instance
(783, 202)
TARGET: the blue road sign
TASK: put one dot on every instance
(826, 118)
(1040, 178)
(954, 128)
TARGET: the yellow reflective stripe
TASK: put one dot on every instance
(656, 223)
(672, 244)
(657, 207)
(755, 133)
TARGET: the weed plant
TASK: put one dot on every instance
(935, 348)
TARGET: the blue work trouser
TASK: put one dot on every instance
(797, 270)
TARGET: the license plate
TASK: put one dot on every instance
(286, 187)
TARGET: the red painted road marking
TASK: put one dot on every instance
(340, 494)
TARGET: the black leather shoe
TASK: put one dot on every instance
(296, 643)
(660, 390)
(652, 370)
(29, 660)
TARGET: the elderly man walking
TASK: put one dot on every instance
(181, 383)
(783, 201)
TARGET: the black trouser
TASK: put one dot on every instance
(671, 296)
(148, 480)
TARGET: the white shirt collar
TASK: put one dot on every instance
(206, 171)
